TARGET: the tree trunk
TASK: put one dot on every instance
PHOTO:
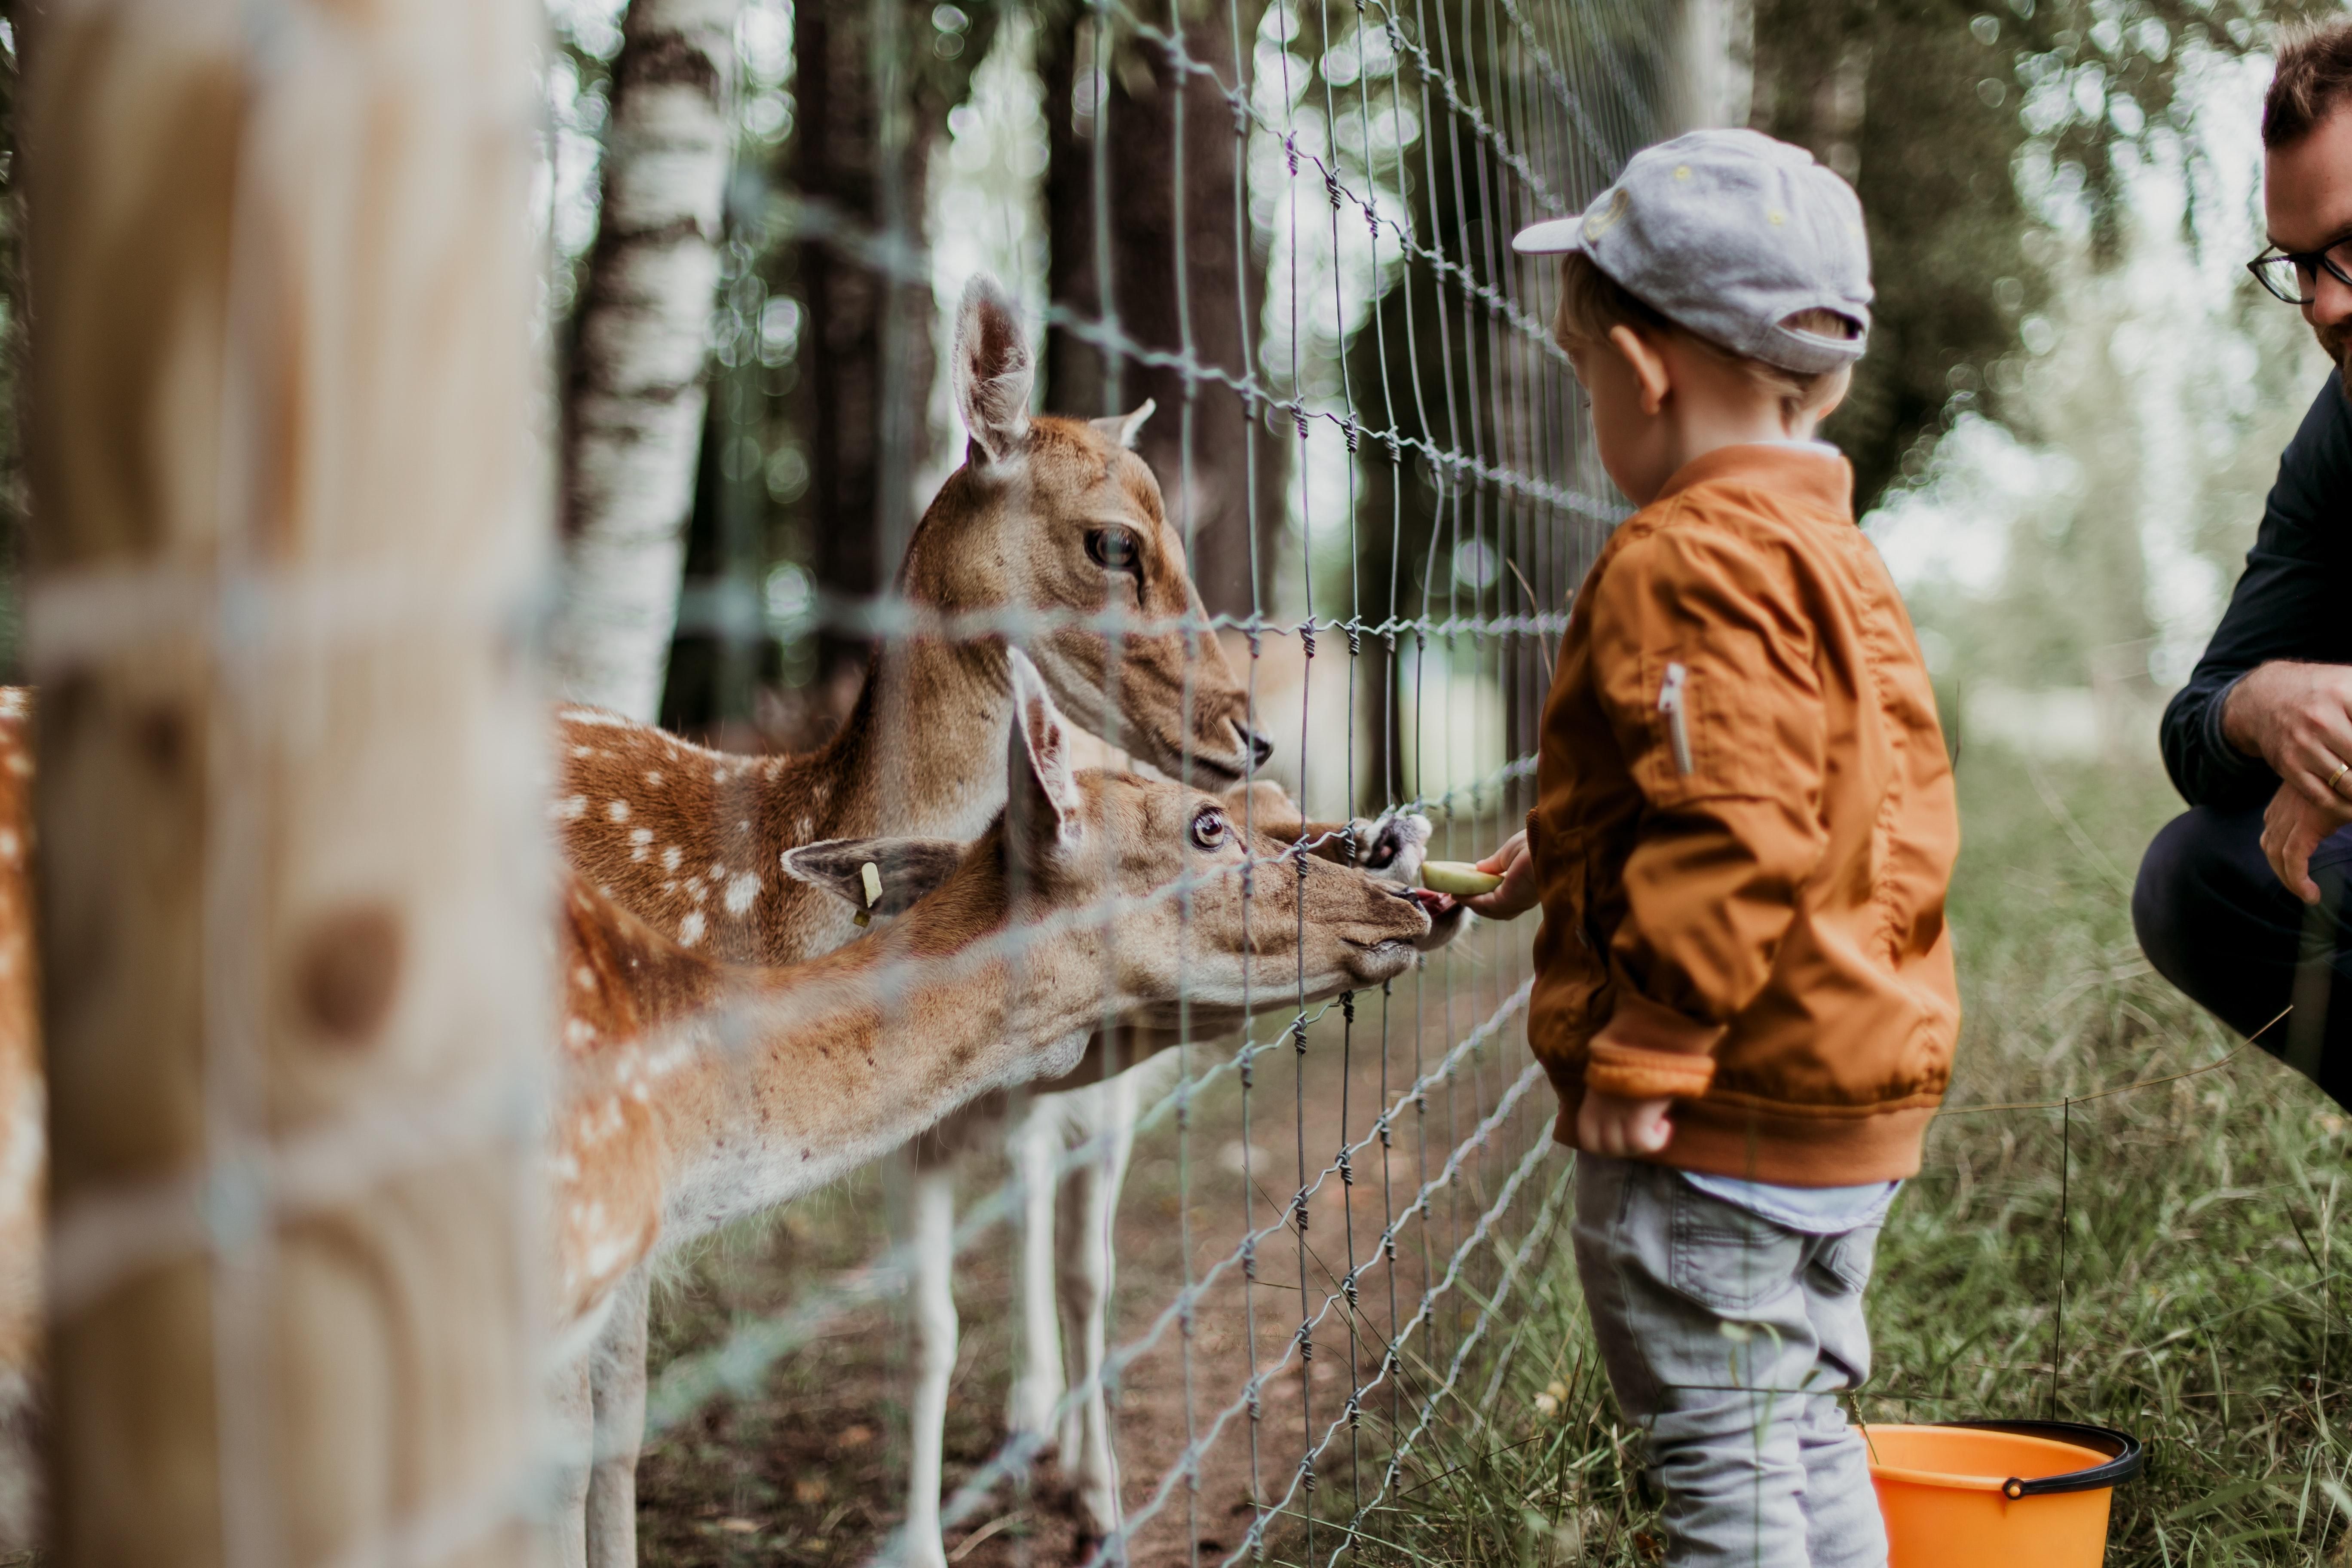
(864, 130)
(1222, 472)
(634, 397)
(291, 885)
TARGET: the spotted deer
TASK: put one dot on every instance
(1052, 522)
(1053, 527)
(696, 1091)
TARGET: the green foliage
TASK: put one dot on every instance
(1929, 106)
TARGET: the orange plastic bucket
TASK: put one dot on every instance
(1997, 1494)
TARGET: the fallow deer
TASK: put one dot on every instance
(696, 1091)
(1052, 527)
(1051, 522)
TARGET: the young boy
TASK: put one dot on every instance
(1744, 828)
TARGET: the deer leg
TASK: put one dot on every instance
(616, 1387)
(575, 1422)
(1085, 1277)
(1037, 1387)
(933, 1202)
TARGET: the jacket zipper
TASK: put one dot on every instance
(1671, 702)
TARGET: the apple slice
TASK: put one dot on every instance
(1459, 878)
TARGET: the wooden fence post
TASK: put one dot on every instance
(290, 508)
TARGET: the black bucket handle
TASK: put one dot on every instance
(2125, 1456)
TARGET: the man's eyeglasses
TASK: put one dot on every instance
(2294, 276)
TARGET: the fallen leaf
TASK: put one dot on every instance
(856, 1436)
(734, 1526)
(809, 1490)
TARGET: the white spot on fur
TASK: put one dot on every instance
(618, 810)
(583, 977)
(690, 929)
(579, 1032)
(807, 830)
(641, 841)
(653, 777)
(584, 750)
(670, 857)
(741, 891)
(11, 847)
(571, 808)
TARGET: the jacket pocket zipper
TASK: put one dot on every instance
(1671, 702)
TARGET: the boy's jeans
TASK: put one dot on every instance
(1725, 1338)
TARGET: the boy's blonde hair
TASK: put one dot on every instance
(1593, 304)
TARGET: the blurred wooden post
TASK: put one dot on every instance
(289, 506)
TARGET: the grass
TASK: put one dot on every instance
(2203, 1302)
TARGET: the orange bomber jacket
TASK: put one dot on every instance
(1743, 830)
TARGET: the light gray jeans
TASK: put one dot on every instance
(1727, 1338)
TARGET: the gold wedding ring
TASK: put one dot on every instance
(2341, 769)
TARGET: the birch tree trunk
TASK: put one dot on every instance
(294, 898)
(634, 399)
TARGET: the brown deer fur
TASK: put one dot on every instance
(694, 1090)
(1052, 518)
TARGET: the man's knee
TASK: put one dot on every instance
(2172, 893)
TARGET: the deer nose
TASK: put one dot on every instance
(1260, 747)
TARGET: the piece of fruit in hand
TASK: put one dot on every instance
(1459, 878)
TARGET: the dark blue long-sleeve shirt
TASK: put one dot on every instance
(2295, 601)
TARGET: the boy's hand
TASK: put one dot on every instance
(1516, 896)
(1607, 1124)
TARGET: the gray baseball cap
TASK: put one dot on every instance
(1729, 233)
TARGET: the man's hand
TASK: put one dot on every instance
(1607, 1124)
(2292, 829)
(1516, 896)
(2298, 719)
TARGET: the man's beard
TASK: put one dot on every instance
(2337, 339)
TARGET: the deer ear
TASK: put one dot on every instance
(1041, 808)
(993, 371)
(903, 868)
(1126, 428)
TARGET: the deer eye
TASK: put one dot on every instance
(1115, 550)
(1210, 829)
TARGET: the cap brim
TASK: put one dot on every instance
(1554, 236)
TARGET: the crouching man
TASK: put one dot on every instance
(2240, 900)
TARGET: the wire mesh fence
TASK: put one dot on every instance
(1247, 1230)
(1371, 448)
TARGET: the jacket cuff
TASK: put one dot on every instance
(2227, 757)
(1649, 1051)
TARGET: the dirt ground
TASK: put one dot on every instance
(810, 1471)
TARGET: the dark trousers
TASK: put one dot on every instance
(2219, 925)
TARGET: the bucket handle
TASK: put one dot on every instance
(2125, 1456)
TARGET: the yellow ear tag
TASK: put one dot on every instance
(872, 875)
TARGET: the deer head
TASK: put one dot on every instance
(1060, 518)
(1150, 891)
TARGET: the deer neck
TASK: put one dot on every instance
(786, 1088)
(923, 752)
